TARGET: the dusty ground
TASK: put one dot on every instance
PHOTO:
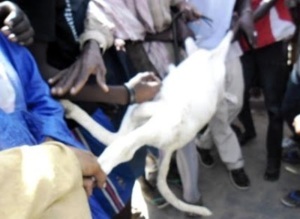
(261, 201)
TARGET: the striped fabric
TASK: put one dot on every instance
(113, 198)
(132, 19)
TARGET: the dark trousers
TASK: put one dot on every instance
(269, 66)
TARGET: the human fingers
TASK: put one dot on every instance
(62, 82)
(80, 70)
(151, 76)
(26, 37)
(101, 79)
(88, 185)
(15, 15)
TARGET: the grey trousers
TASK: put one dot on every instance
(188, 167)
(219, 132)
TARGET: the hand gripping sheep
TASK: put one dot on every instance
(186, 103)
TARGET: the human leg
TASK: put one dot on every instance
(273, 75)
(188, 166)
(245, 116)
(204, 144)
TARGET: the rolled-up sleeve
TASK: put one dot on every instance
(97, 26)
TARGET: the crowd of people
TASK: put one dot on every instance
(89, 51)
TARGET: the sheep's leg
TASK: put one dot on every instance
(168, 194)
(75, 113)
(123, 148)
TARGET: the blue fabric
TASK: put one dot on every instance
(39, 116)
(220, 12)
(46, 113)
(122, 177)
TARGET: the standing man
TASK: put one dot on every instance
(268, 63)
(219, 131)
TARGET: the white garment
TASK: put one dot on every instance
(7, 92)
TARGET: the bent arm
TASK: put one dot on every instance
(90, 93)
(38, 182)
(97, 26)
(264, 8)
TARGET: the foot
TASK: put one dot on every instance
(292, 199)
(205, 158)
(239, 179)
(245, 137)
(272, 171)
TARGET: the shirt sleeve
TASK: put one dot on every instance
(97, 27)
(40, 182)
(40, 102)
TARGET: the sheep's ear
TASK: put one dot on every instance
(171, 67)
(190, 46)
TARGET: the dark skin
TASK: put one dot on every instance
(75, 77)
(245, 20)
(263, 9)
(145, 90)
(189, 13)
(90, 62)
(93, 175)
(247, 17)
(15, 24)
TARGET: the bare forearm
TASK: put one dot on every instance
(243, 5)
(92, 93)
(263, 9)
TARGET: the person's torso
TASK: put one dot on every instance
(275, 26)
(220, 12)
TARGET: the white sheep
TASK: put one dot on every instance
(186, 103)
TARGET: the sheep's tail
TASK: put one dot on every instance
(169, 195)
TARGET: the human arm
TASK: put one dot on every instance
(95, 39)
(245, 20)
(263, 9)
(92, 92)
(189, 12)
(15, 24)
(36, 181)
(144, 85)
(72, 79)
(39, 101)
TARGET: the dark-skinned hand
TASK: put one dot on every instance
(189, 12)
(246, 24)
(15, 24)
(72, 79)
(146, 85)
(92, 173)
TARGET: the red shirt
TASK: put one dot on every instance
(275, 26)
